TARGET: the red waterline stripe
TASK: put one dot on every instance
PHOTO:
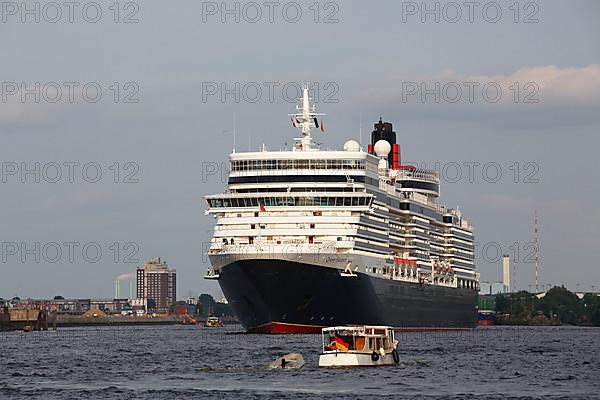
(281, 327)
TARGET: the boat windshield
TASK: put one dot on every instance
(339, 341)
(345, 340)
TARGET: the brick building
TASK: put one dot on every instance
(156, 283)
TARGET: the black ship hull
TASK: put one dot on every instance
(277, 296)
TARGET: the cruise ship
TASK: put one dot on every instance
(308, 237)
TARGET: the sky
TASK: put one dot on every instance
(117, 118)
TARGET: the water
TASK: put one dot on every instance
(190, 362)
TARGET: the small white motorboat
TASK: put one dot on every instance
(358, 346)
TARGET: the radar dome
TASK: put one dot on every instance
(382, 148)
(351, 145)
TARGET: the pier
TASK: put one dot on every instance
(24, 319)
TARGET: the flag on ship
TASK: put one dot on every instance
(341, 344)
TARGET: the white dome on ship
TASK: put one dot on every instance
(382, 148)
(351, 145)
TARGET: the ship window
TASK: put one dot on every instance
(320, 164)
(355, 201)
(347, 201)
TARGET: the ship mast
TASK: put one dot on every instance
(537, 248)
(304, 120)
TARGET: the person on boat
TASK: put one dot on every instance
(331, 345)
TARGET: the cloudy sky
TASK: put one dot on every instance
(113, 118)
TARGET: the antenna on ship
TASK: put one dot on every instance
(537, 248)
(360, 129)
(305, 119)
(234, 132)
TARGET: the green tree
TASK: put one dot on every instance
(502, 304)
(207, 304)
(562, 302)
(223, 310)
(591, 306)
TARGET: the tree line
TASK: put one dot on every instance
(558, 302)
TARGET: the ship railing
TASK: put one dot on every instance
(387, 187)
(421, 174)
(273, 247)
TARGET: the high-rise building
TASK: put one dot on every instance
(156, 283)
(506, 273)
